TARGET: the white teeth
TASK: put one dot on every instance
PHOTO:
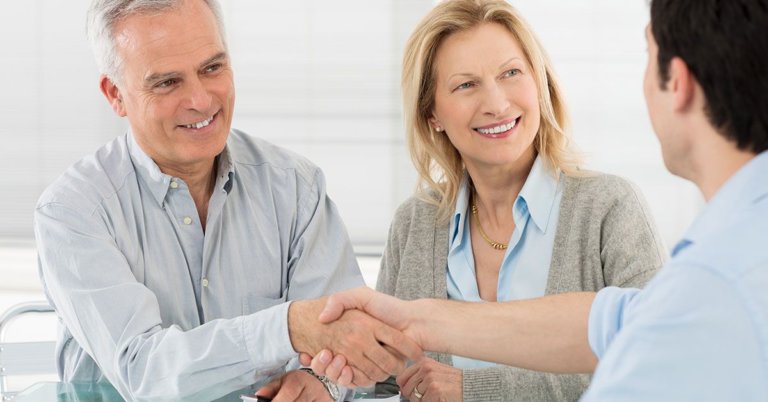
(498, 129)
(200, 124)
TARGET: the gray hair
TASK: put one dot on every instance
(103, 15)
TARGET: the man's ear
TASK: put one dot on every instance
(112, 93)
(681, 83)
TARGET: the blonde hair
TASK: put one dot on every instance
(438, 163)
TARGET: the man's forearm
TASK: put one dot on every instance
(544, 334)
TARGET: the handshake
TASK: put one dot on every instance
(363, 336)
(358, 337)
(354, 338)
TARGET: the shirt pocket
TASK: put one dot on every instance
(253, 303)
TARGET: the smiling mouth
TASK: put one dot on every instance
(501, 128)
(200, 124)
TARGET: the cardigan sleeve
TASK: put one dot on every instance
(503, 383)
(390, 259)
(631, 250)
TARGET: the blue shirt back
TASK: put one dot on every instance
(699, 330)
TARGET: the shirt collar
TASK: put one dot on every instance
(539, 193)
(538, 196)
(746, 187)
(159, 182)
(460, 213)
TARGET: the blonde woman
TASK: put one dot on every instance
(503, 211)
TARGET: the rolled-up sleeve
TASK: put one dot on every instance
(606, 316)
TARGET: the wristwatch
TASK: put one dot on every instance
(332, 388)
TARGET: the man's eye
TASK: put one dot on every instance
(213, 68)
(166, 83)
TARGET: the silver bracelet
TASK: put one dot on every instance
(332, 388)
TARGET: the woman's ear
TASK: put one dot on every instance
(436, 124)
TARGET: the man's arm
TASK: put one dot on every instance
(117, 320)
(543, 334)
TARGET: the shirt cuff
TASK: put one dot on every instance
(607, 316)
(267, 339)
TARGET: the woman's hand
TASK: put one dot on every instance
(432, 381)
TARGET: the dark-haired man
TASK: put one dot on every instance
(699, 330)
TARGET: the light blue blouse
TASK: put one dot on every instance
(525, 267)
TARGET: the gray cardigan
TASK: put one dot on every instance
(605, 237)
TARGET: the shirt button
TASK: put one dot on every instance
(205, 282)
(187, 220)
(174, 184)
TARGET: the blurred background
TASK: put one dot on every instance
(321, 78)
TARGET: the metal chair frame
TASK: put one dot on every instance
(24, 358)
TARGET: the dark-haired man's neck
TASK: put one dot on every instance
(717, 159)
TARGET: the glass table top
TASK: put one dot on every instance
(103, 392)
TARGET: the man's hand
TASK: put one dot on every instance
(335, 368)
(432, 380)
(355, 335)
(295, 385)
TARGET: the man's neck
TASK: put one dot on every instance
(716, 161)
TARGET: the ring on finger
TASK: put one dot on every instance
(416, 393)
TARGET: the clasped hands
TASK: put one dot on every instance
(425, 380)
(366, 349)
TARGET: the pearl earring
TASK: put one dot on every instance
(438, 129)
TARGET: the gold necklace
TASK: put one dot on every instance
(495, 244)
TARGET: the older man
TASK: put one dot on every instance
(699, 330)
(170, 254)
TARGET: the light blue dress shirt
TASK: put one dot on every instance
(525, 267)
(699, 330)
(164, 310)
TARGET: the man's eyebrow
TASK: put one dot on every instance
(159, 77)
(217, 57)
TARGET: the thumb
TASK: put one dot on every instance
(339, 302)
(305, 359)
(270, 389)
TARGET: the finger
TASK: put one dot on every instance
(339, 302)
(270, 389)
(305, 359)
(334, 369)
(321, 362)
(345, 379)
(385, 364)
(413, 382)
(409, 372)
(398, 341)
(360, 378)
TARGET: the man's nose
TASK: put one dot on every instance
(197, 97)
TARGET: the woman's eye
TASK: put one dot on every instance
(465, 85)
(511, 73)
